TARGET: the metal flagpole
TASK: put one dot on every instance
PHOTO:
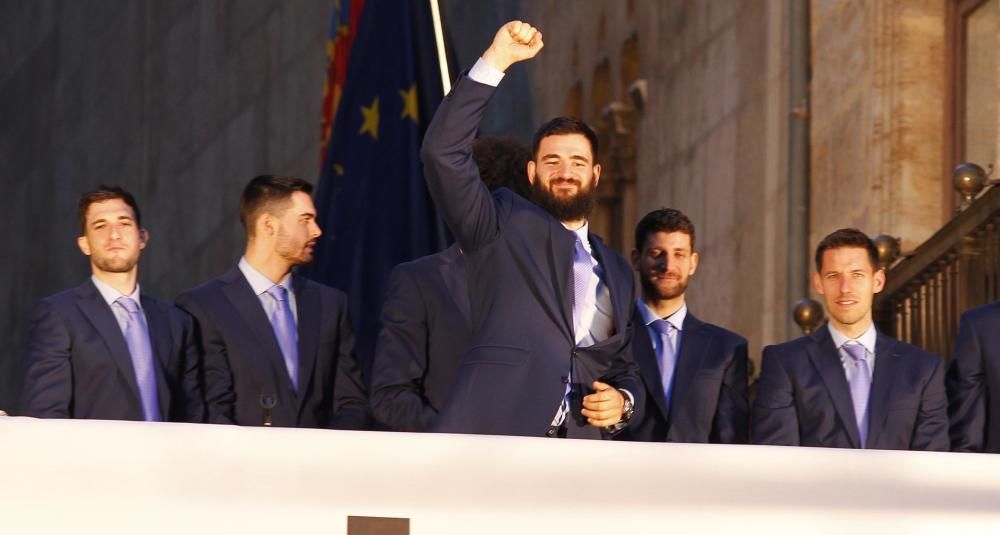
(439, 40)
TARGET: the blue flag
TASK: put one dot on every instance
(372, 200)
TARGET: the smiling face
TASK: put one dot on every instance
(296, 230)
(665, 264)
(112, 237)
(848, 282)
(564, 176)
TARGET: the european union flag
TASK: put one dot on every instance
(373, 204)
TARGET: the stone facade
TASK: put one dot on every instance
(878, 118)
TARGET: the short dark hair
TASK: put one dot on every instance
(263, 192)
(561, 126)
(847, 237)
(663, 220)
(106, 193)
(503, 163)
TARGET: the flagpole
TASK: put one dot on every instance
(439, 40)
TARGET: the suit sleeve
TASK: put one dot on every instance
(775, 418)
(220, 398)
(350, 393)
(47, 388)
(732, 417)
(965, 384)
(452, 175)
(191, 371)
(623, 372)
(931, 430)
(401, 357)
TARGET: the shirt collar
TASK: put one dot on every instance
(582, 234)
(111, 295)
(648, 316)
(258, 281)
(867, 338)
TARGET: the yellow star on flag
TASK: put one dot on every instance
(370, 124)
(409, 103)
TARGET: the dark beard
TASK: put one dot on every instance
(651, 290)
(572, 209)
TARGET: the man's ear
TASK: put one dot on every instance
(635, 259)
(817, 283)
(83, 244)
(531, 172)
(879, 280)
(694, 264)
(597, 174)
(143, 238)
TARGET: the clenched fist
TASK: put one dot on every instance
(515, 41)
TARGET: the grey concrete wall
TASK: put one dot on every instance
(180, 102)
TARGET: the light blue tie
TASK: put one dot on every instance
(583, 273)
(666, 356)
(860, 380)
(141, 351)
(283, 323)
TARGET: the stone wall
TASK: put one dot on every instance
(878, 101)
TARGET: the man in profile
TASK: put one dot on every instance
(695, 373)
(425, 318)
(973, 382)
(105, 350)
(549, 301)
(278, 348)
(847, 385)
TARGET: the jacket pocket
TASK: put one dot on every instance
(496, 355)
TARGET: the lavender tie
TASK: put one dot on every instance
(860, 380)
(666, 357)
(141, 351)
(583, 273)
(283, 323)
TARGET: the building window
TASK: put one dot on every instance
(977, 123)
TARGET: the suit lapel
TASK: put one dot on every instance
(159, 337)
(645, 357)
(309, 316)
(250, 312)
(620, 294)
(452, 270)
(96, 309)
(563, 246)
(693, 345)
(826, 360)
(887, 362)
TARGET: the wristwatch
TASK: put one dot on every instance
(628, 409)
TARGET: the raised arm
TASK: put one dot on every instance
(451, 173)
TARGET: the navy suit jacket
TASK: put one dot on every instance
(425, 331)
(973, 382)
(803, 398)
(243, 362)
(709, 401)
(77, 363)
(519, 261)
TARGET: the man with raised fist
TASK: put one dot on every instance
(549, 300)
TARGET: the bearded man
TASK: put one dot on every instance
(278, 348)
(549, 301)
(695, 373)
(104, 350)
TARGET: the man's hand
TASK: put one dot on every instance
(603, 408)
(515, 41)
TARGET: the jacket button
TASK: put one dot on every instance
(550, 433)
(565, 380)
